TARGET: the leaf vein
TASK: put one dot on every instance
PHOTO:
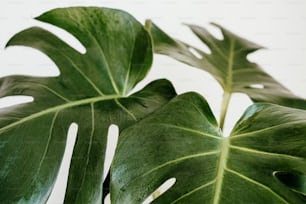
(84, 75)
(126, 110)
(229, 78)
(194, 190)
(129, 69)
(105, 63)
(257, 184)
(52, 91)
(180, 159)
(89, 146)
(265, 153)
(58, 108)
(48, 142)
(220, 170)
(190, 130)
(265, 129)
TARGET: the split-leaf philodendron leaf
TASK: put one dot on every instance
(91, 91)
(182, 141)
(228, 64)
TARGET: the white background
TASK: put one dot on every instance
(278, 25)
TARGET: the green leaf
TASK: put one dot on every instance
(182, 141)
(91, 90)
(228, 64)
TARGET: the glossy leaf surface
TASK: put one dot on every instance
(228, 64)
(91, 90)
(182, 141)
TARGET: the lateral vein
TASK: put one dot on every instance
(266, 129)
(89, 146)
(264, 153)
(48, 141)
(257, 184)
(180, 159)
(191, 130)
(194, 190)
(126, 110)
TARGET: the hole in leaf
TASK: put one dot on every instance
(215, 31)
(58, 192)
(66, 37)
(107, 199)
(257, 86)
(295, 181)
(255, 56)
(15, 100)
(195, 53)
(198, 44)
(42, 66)
(160, 190)
(205, 48)
(112, 139)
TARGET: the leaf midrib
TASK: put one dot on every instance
(229, 78)
(59, 108)
(221, 168)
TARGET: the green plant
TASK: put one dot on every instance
(162, 135)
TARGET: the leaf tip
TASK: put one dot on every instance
(41, 17)
(12, 41)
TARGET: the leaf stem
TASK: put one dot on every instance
(224, 107)
(148, 24)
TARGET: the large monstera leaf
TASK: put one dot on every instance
(91, 90)
(182, 141)
(228, 64)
